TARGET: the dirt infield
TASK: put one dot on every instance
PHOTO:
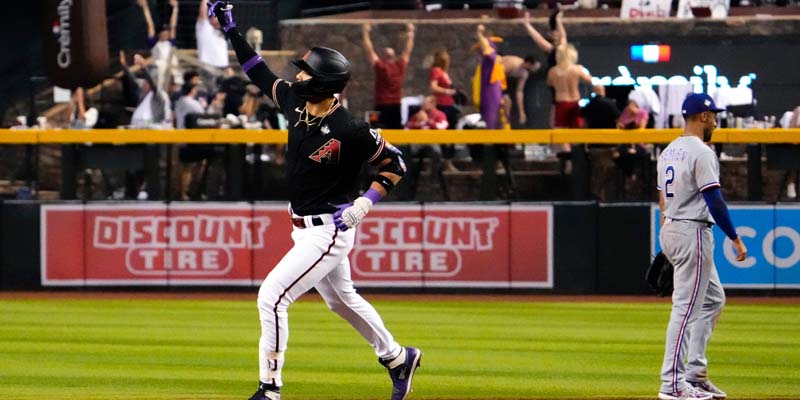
(423, 297)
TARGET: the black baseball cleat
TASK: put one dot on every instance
(401, 371)
(266, 392)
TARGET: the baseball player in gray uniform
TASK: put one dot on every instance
(691, 202)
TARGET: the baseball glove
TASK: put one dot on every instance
(659, 275)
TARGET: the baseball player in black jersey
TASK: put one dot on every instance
(326, 149)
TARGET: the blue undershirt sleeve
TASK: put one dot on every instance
(718, 209)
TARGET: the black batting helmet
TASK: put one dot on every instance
(329, 72)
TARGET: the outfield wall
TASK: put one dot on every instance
(573, 247)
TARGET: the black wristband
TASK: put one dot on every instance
(387, 183)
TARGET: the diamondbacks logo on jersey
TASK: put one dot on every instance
(376, 134)
(328, 152)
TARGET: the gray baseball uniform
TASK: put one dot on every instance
(686, 168)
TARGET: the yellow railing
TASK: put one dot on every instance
(553, 136)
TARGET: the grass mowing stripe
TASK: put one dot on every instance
(182, 349)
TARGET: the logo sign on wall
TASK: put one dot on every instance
(455, 246)
(633, 9)
(156, 244)
(238, 244)
(772, 237)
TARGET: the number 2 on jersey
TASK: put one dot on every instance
(670, 175)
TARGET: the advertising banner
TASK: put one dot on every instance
(773, 245)
(633, 9)
(151, 244)
(227, 244)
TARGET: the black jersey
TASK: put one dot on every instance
(324, 156)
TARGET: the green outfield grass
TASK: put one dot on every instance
(481, 349)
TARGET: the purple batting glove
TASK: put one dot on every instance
(337, 216)
(223, 11)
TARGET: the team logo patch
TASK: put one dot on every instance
(325, 129)
(329, 152)
(376, 134)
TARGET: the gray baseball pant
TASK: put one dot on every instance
(697, 302)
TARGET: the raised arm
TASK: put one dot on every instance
(373, 57)
(409, 46)
(202, 12)
(537, 37)
(252, 63)
(562, 33)
(148, 18)
(173, 20)
(482, 40)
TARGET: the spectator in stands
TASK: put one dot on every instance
(517, 71)
(601, 112)
(217, 104)
(565, 78)
(389, 73)
(192, 157)
(492, 81)
(188, 104)
(235, 89)
(441, 86)
(154, 104)
(558, 36)
(162, 46)
(633, 117)
(630, 156)
(212, 47)
(79, 116)
(647, 100)
(131, 93)
(428, 117)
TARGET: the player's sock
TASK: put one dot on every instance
(268, 387)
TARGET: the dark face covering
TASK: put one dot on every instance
(708, 130)
(707, 134)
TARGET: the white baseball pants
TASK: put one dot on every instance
(319, 260)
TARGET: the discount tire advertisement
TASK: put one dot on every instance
(237, 244)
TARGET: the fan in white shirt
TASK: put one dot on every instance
(212, 47)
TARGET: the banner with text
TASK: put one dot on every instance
(772, 237)
(228, 244)
(635, 9)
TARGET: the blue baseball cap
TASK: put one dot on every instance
(696, 103)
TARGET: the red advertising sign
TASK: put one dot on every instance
(154, 244)
(454, 246)
(238, 244)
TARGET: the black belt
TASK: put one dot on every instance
(300, 222)
(699, 221)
